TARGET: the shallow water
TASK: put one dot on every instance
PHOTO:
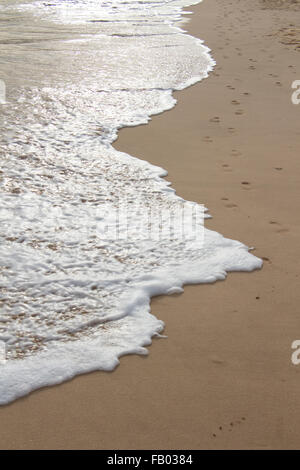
(89, 234)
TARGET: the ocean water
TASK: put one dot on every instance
(89, 234)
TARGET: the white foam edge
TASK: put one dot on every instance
(63, 362)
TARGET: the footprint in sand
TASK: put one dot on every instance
(231, 205)
(279, 230)
(246, 185)
(229, 427)
(207, 138)
(215, 119)
(239, 112)
(235, 102)
(230, 87)
(236, 153)
(231, 129)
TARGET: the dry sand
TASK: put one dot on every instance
(223, 378)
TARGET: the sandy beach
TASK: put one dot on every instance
(223, 378)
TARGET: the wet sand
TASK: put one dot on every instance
(224, 377)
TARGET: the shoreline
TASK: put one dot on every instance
(223, 378)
